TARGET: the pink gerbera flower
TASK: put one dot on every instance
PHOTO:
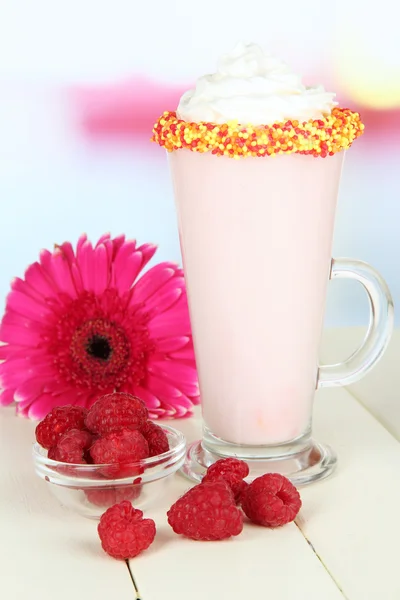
(80, 324)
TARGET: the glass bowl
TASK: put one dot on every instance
(90, 489)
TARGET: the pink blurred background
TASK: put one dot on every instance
(83, 82)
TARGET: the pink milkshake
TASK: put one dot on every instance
(256, 236)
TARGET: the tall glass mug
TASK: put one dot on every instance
(256, 237)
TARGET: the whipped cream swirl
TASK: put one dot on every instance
(253, 87)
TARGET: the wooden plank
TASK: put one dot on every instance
(379, 390)
(260, 563)
(46, 552)
(351, 519)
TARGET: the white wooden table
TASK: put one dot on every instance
(344, 544)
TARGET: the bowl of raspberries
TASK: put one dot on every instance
(108, 454)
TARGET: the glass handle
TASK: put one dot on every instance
(379, 329)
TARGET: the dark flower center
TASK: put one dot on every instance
(100, 352)
(101, 343)
(98, 346)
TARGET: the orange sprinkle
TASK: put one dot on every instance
(319, 138)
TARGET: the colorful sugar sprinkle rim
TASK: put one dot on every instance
(318, 137)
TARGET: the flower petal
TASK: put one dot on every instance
(20, 285)
(185, 402)
(161, 388)
(148, 398)
(170, 286)
(167, 413)
(39, 407)
(127, 249)
(85, 262)
(157, 413)
(173, 401)
(102, 269)
(39, 357)
(170, 396)
(104, 238)
(69, 255)
(152, 280)
(117, 243)
(126, 271)
(170, 411)
(182, 375)
(29, 390)
(22, 410)
(36, 277)
(171, 344)
(13, 318)
(10, 352)
(160, 303)
(181, 411)
(164, 413)
(26, 305)
(175, 282)
(14, 334)
(173, 322)
(82, 240)
(58, 269)
(183, 354)
(5, 351)
(43, 403)
(148, 251)
(15, 373)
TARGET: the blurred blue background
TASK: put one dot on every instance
(82, 83)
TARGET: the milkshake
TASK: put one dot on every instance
(256, 159)
(256, 235)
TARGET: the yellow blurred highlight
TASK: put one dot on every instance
(379, 89)
(367, 55)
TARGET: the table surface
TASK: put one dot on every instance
(343, 544)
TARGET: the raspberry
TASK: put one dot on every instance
(231, 470)
(238, 489)
(271, 500)
(156, 438)
(123, 531)
(120, 449)
(206, 512)
(227, 468)
(71, 447)
(51, 453)
(115, 412)
(109, 496)
(60, 420)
